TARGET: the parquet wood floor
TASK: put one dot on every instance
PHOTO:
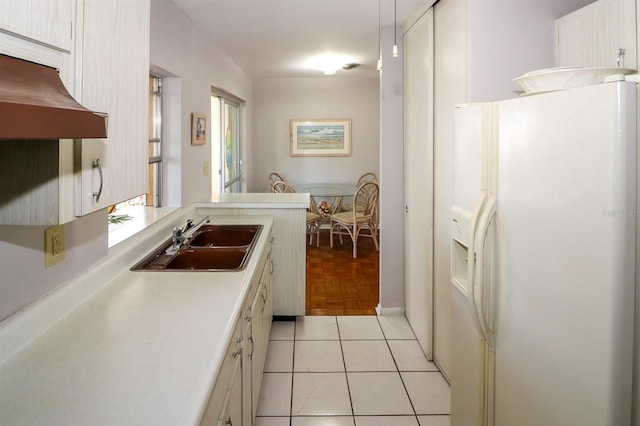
(338, 284)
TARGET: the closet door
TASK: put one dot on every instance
(418, 179)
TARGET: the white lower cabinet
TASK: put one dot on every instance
(234, 399)
(225, 402)
(258, 326)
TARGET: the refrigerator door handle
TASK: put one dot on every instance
(471, 258)
(479, 282)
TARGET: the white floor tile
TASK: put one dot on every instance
(367, 355)
(409, 356)
(434, 420)
(282, 330)
(322, 421)
(279, 357)
(378, 393)
(359, 327)
(320, 394)
(318, 356)
(321, 397)
(271, 421)
(316, 328)
(396, 327)
(429, 392)
(386, 421)
(275, 395)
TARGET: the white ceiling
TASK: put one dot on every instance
(277, 38)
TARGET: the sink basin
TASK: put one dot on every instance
(224, 235)
(209, 259)
(212, 248)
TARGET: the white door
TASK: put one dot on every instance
(418, 179)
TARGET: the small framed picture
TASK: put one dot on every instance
(198, 129)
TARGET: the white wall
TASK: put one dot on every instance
(191, 56)
(23, 277)
(506, 39)
(391, 177)
(276, 101)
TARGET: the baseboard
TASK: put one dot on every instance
(389, 311)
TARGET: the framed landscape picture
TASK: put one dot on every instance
(320, 138)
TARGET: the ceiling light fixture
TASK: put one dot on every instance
(395, 29)
(329, 63)
(379, 65)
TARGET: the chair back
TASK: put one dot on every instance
(281, 186)
(367, 177)
(365, 199)
(273, 178)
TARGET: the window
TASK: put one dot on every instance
(225, 113)
(154, 190)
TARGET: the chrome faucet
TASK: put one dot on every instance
(180, 235)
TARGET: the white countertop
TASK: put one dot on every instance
(266, 200)
(144, 348)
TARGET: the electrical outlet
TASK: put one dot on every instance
(205, 168)
(53, 245)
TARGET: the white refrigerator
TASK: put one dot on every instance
(544, 228)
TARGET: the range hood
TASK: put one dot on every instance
(34, 104)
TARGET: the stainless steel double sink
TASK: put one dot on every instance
(211, 248)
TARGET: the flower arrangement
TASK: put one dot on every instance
(324, 209)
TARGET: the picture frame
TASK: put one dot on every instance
(198, 129)
(320, 137)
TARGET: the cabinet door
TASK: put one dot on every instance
(225, 401)
(261, 329)
(115, 76)
(247, 355)
(45, 21)
(232, 407)
(594, 35)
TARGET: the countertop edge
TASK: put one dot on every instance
(257, 200)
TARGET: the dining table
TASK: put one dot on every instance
(331, 192)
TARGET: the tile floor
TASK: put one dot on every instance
(350, 370)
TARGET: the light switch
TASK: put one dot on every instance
(205, 168)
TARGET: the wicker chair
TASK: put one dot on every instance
(273, 178)
(367, 177)
(313, 219)
(282, 186)
(361, 218)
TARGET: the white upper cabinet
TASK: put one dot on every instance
(101, 50)
(602, 34)
(47, 21)
(114, 56)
